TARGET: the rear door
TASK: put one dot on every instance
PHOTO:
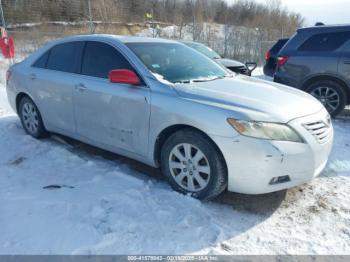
(109, 114)
(51, 79)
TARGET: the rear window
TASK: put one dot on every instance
(41, 62)
(278, 46)
(65, 57)
(325, 42)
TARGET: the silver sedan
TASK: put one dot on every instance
(165, 104)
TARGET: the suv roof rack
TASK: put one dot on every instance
(326, 28)
(319, 24)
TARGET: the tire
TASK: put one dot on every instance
(335, 91)
(31, 119)
(204, 158)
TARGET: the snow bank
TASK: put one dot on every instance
(111, 205)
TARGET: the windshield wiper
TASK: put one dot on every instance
(204, 79)
(207, 79)
(183, 82)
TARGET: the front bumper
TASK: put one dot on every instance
(253, 163)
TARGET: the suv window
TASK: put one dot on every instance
(65, 57)
(100, 58)
(325, 42)
(41, 62)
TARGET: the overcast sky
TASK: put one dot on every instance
(326, 11)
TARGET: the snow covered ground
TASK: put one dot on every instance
(111, 205)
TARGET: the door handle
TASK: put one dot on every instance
(81, 87)
(32, 76)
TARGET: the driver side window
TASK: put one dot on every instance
(100, 58)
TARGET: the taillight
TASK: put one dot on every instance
(281, 60)
(8, 75)
(268, 55)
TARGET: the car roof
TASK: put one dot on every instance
(190, 42)
(123, 39)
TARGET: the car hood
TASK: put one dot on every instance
(230, 63)
(249, 98)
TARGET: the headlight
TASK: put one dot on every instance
(265, 130)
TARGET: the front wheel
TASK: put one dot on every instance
(31, 118)
(193, 165)
(330, 94)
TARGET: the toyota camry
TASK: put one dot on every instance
(166, 105)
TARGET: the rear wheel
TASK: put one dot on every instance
(330, 94)
(31, 118)
(193, 165)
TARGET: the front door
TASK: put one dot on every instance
(116, 115)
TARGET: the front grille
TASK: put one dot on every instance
(321, 130)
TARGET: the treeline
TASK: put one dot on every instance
(271, 17)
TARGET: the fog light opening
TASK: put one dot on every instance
(279, 180)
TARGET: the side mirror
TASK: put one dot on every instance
(123, 76)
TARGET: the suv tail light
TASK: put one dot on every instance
(281, 60)
(268, 55)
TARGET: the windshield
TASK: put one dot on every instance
(207, 51)
(177, 63)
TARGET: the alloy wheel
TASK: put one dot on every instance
(30, 118)
(189, 167)
(328, 96)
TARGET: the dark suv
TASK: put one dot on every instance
(317, 60)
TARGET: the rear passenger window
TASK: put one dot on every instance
(65, 57)
(100, 58)
(325, 42)
(41, 62)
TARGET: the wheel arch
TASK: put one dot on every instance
(333, 78)
(168, 131)
(19, 97)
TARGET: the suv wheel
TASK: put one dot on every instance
(193, 165)
(330, 94)
(31, 118)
